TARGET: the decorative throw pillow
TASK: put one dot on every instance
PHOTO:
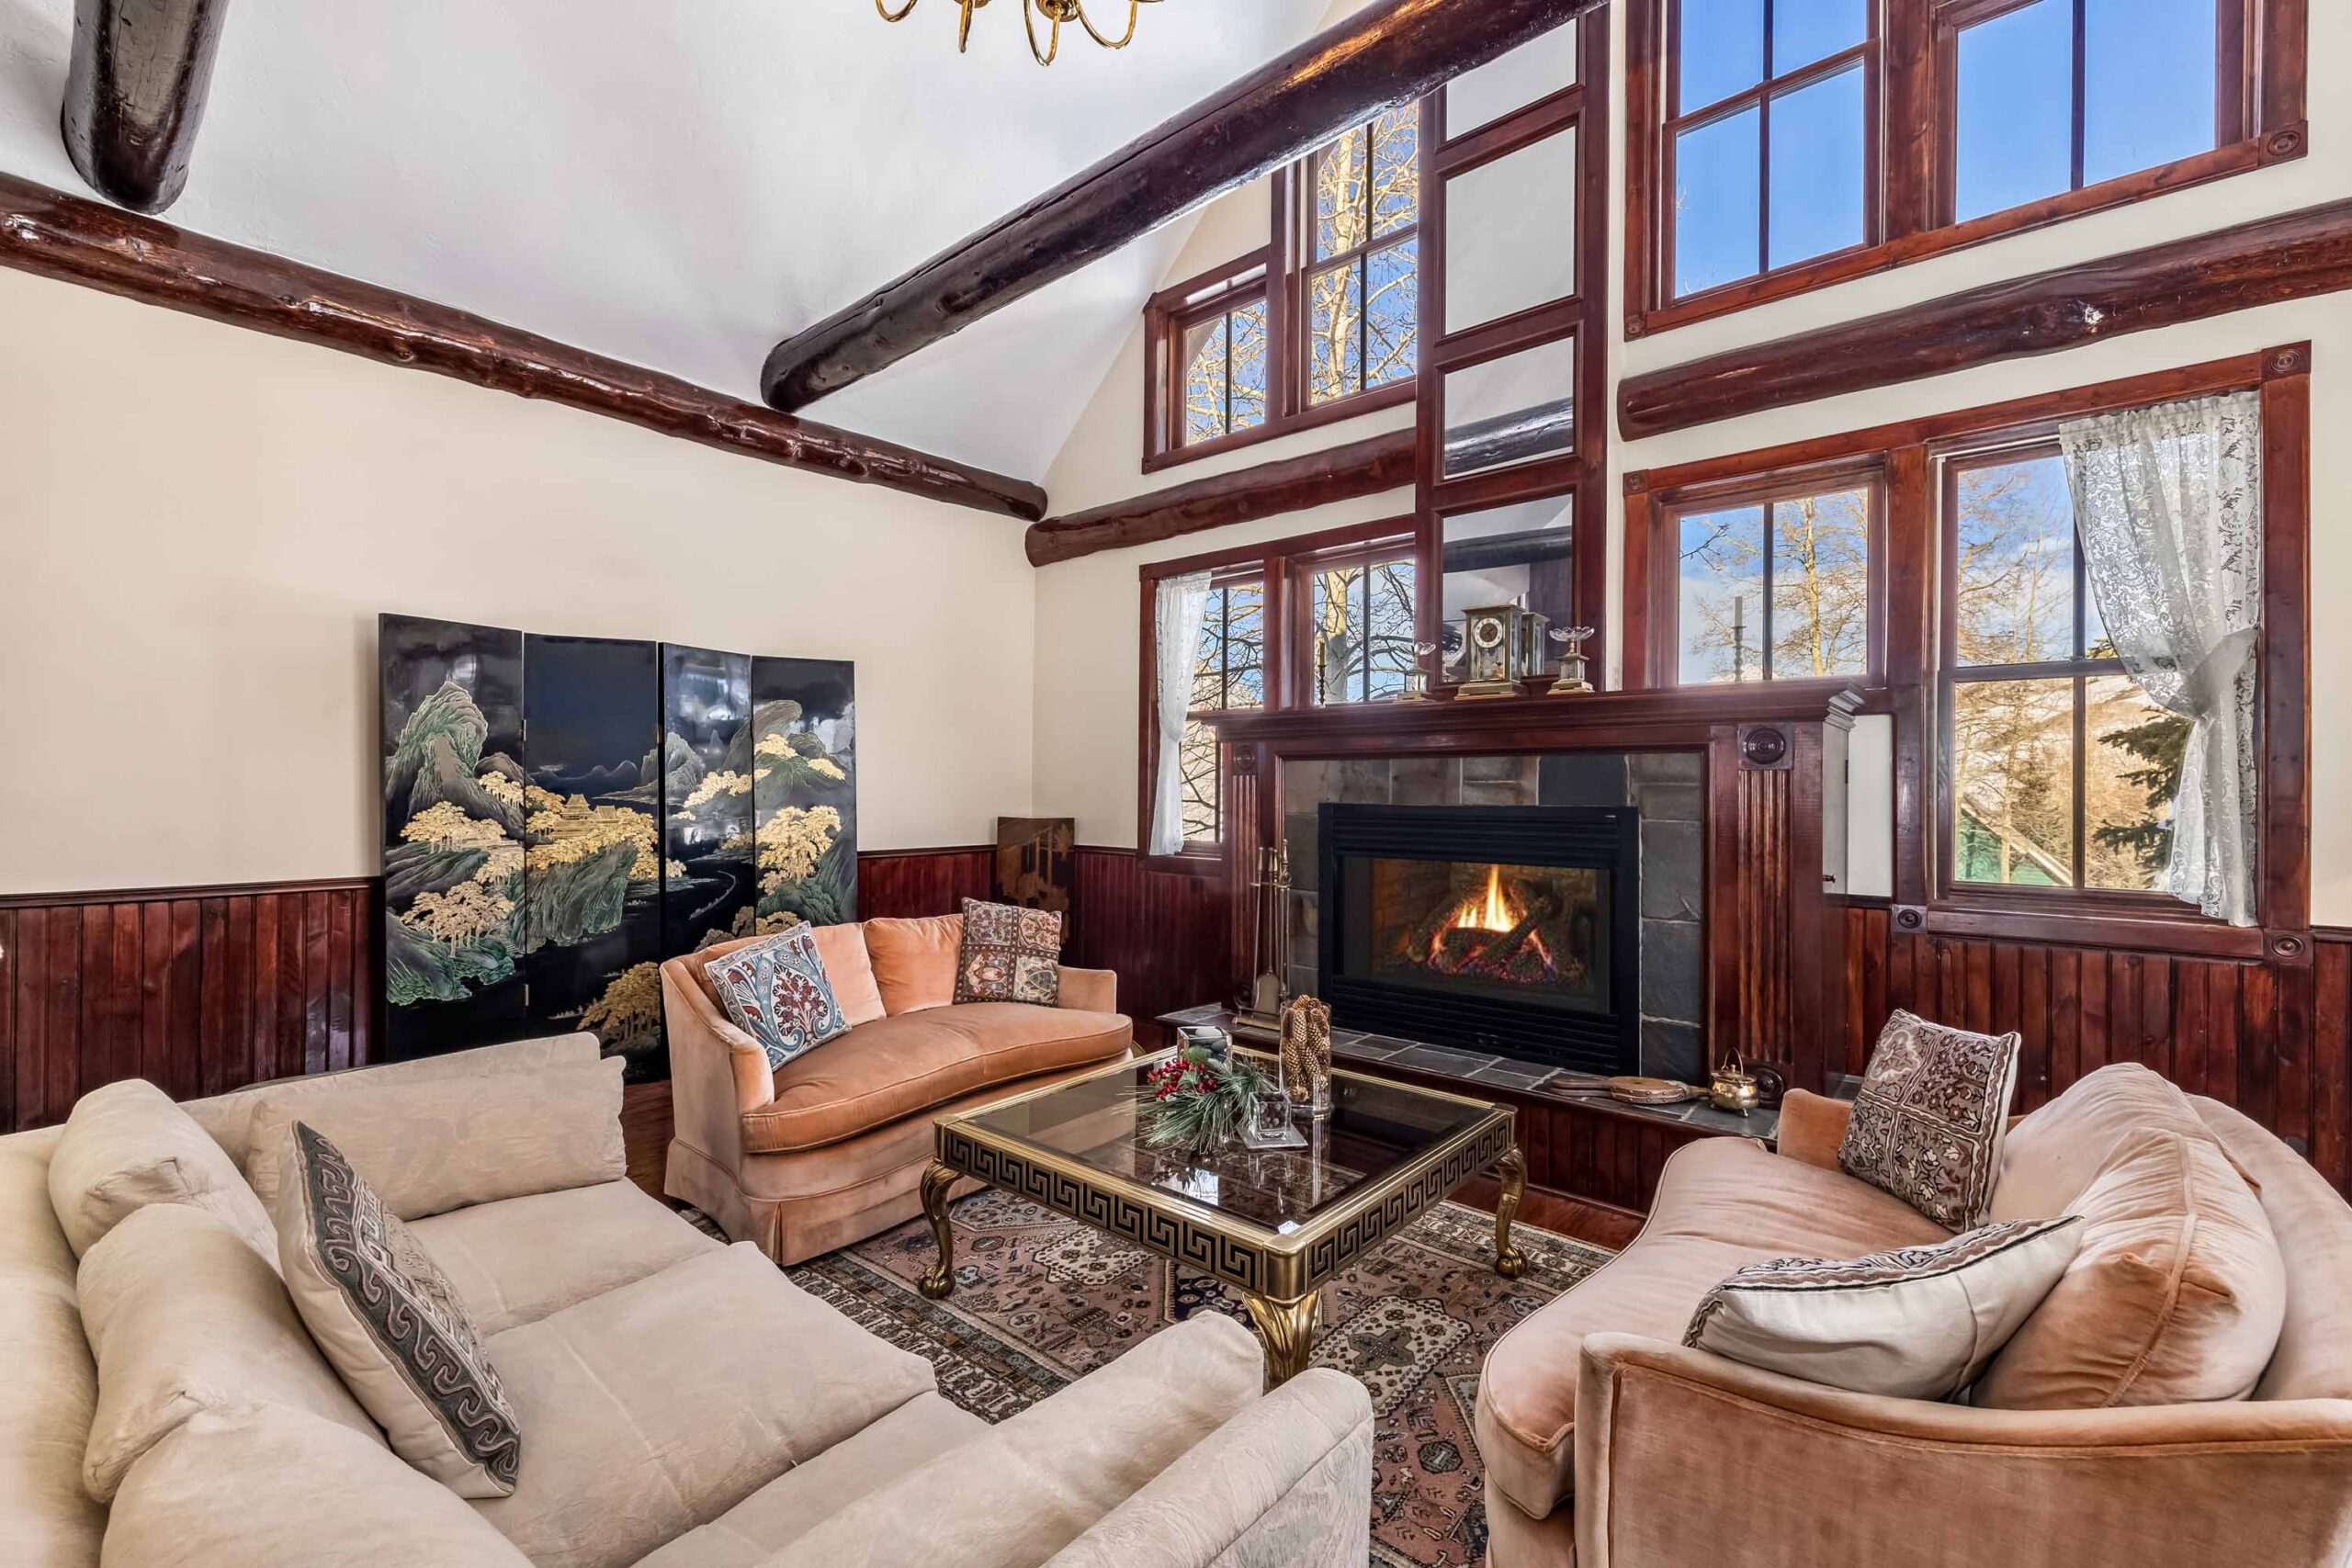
(390, 1323)
(1920, 1323)
(1010, 954)
(1929, 1118)
(776, 991)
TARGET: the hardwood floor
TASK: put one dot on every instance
(1596, 1224)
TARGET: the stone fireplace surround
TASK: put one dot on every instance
(1665, 786)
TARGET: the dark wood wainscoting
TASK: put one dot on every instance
(2273, 1038)
(1168, 934)
(907, 884)
(199, 989)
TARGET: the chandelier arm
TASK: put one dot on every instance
(900, 15)
(1053, 39)
(1134, 8)
(964, 32)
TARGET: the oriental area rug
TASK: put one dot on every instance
(1041, 1301)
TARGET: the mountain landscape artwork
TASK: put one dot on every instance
(561, 814)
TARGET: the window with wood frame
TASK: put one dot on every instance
(1360, 625)
(2043, 776)
(1324, 323)
(1779, 145)
(1776, 586)
(1230, 674)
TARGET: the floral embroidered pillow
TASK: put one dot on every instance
(1010, 954)
(1931, 1116)
(776, 991)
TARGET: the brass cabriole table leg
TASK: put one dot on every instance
(936, 1183)
(1510, 1262)
(1288, 1330)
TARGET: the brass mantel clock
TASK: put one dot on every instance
(1502, 645)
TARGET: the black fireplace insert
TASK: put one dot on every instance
(1512, 930)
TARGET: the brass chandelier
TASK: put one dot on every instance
(1056, 13)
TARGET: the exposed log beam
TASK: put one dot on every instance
(135, 92)
(1391, 54)
(1292, 484)
(1547, 430)
(2262, 263)
(61, 236)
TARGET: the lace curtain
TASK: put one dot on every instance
(2168, 503)
(1182, 610)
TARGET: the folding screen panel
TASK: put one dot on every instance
(707, 822)
(452, 707)
(804, 758)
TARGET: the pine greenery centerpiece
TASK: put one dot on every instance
(1197, 1099)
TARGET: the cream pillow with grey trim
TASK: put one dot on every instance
(390, 1323)
(1920, 1323)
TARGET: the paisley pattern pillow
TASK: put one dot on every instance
(1930, 1117)
(390, 1325)
(1010, 954)
(776, 991)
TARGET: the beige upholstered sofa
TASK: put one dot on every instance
(682, 1404)
(830, 1148)
(1610, 1445)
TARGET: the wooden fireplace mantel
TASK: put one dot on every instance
(1774, 824)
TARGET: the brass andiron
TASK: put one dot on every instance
(1261, 1012)
(1306, 1056)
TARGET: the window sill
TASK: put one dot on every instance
(2275, 146)
(1205, 863)
(2126, 923)
(1394, 395)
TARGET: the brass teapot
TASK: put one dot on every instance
(1732, 1088)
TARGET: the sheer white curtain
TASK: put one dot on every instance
(2168, 501)
(1181, 609)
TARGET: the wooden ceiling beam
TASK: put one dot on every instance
(135, 93)
(2265, 262)
(56, 235)
(1292, 484)
(1391, 54)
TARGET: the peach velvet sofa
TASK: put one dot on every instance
(683, 1404)
(830, 1148)
(1610, 1445)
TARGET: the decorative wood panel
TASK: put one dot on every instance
(908, 883)
(1166, 933)
(2271, 1037)
(201, 990)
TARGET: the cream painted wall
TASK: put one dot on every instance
(1086, 728)
(200, 525)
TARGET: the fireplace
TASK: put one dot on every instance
(1513, 931)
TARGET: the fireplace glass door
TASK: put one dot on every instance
(1486, 929)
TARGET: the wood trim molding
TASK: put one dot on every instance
(1291, 484)
(135, 92)
(1393, 52)
(55, 235)
(2292, 256)
(171, 895)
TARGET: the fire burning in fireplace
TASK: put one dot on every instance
(1495, 934)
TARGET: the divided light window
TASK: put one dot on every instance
(1363, 269)
(2061, 772)
(1360, 631)
(1766, 135)
(1223, 366)
(1776, 590)
(1231, 674)
(2051, 95)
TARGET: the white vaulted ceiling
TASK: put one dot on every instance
(680, 183)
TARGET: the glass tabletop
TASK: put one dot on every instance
(1374, 1128)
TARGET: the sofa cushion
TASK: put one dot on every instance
(2177, 1295)
(1720, 1204)
(775, 990)
(657, 1408)
(910, 1063)
(515, 1261)
(435, 1144)
(914, 961)
(261, 1485)
(804, 1496)
(1920, 1323)
(2313, 1228)
(1018, 1493)
(2053, 1154)
(183, 1315)
(842, 950)
(127, 1145)
(46, 1517)
(1930, 1115)
(389, 1321)
(1009, 954)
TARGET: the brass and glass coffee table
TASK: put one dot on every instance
(1276, 1224)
